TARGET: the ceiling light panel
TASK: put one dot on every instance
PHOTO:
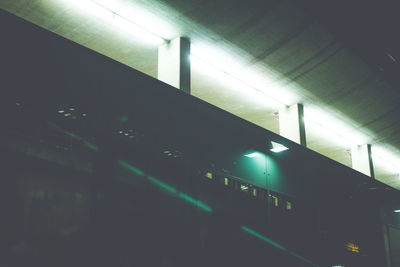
(128, 19)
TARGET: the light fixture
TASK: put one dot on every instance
(252, 155)
(61, 111)
(130, 21)
(396, 211)
(276, 147)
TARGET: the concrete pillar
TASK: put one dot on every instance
(174, 63)
(362, 160)
(291, 123)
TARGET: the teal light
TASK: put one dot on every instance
(263, 238)
(167, 188)
(161, 184)
(131, 168)
(275, 244)
(252, 155)
(276, 147)
(195, 202)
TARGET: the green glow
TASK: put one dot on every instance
(260, 236)
(273, 243)
(92, 146)
(173, 191)
(131, 168)
(123, 118)
(252, 155)
(87, 144)
(162, 184)
(195, 202)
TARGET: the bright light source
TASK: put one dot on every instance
(252, 155)
(397, 211)
(231, 81)
(121, 132)
(61, 111)
(276, 147)
(71, 109)
(84, 115)
(384, 157)
(67, 114)
(128, 20)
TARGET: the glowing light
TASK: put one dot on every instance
(61, 111)
(385, 159)
(162, 185)
(276, 147)
(263, 238)
(352, 247)
(253, 155)
(229, 80)
(131, 168)
(333, 129)
(166, 187)
(209, 175)
(130, 21)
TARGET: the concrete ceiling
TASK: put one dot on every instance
(287, 42)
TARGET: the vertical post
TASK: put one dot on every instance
(174, 63)
(291, 123)
(362, 159)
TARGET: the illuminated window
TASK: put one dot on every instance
(352, 247)
(275, 200)
(226, 181)
(254, 192)
(288, 205)
(209, 175)
(244, 188)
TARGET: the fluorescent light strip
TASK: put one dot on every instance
(273, 102)
(114, 18)
(328, 133)
(130, 21)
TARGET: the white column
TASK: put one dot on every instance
(291, 123)
(362, 160)
(174, 63)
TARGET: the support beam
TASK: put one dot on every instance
(362, 160)
(174, 63)
(291, 123)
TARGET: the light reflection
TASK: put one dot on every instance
(275, 244)
(166, 187)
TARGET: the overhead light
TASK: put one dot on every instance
(228, 79)
(397, 211)
(276, 147)
(252, 155)
(61, 111)
(126, 19)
